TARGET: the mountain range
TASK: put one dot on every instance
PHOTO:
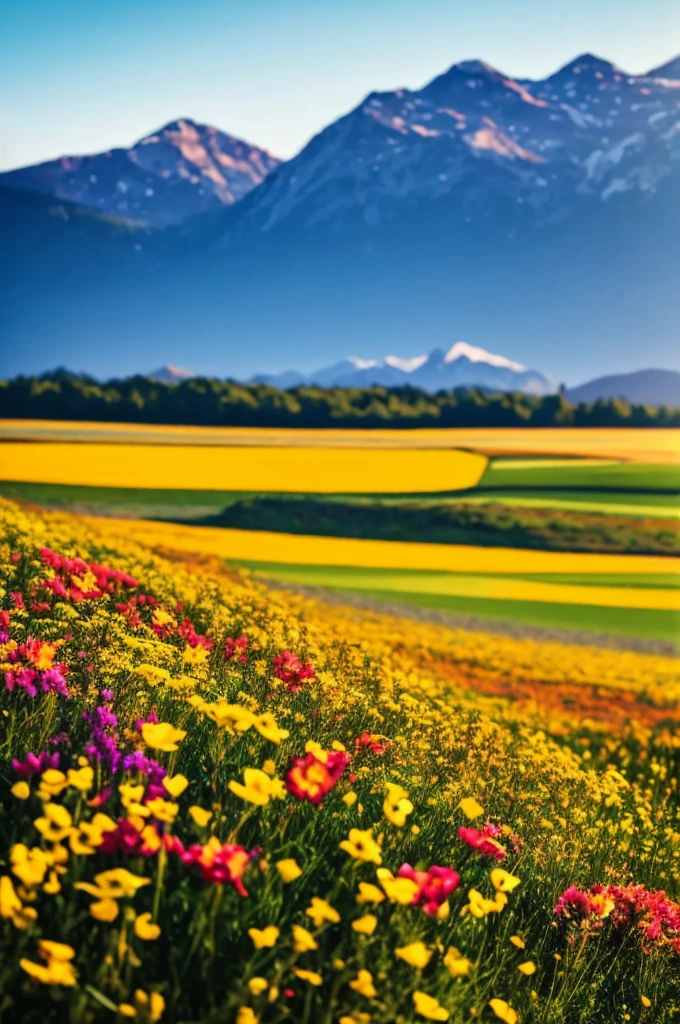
(182, 170)
(545, 213)
(463, 366)
(459, 366)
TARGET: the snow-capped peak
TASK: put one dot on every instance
(406, 365)
(362, 364)
(461, 350)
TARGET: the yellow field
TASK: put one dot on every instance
(660, 446)
(201, 467)
(296, 549)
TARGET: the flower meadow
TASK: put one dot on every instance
(223, 804)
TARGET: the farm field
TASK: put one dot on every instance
(658, 445)
(253, 807)
(336, 514)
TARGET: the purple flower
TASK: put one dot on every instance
(35, 765)
(103, 745)
(106, 695)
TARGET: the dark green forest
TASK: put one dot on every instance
(205, 401)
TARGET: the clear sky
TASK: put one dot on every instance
(82, 76)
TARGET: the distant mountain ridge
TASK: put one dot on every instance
(474, 368)
(182, 170)
(460, 366)
(644, 387)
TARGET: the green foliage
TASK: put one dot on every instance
(206, 401)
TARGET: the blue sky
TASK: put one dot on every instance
(88, 76)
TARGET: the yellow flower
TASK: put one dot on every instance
(416, 954)
(81, 778)
(56, 823)
(456, 964)
(427, 1006)
(21, 790)
(264, 938)
(356, 1017)
(397, 890)
(257, 788)
(471, 808)
(246, 1016)
(365, 925)
(504, 1011)
(288, 869)
(199, 816)
(104, 910)
(149, 1008)
(397, 806)
(480, 906)
(145, 928)
(363, 984)
(163, 810)
(9, 901)
(528, 967)
(516, 941)
(269, 767)
(114, 884)
(258, 985)
(175, 785)
(57, 969)
(162, 736)
(29, 866)
(362, 846)
(369, 893)
(503, 881)
(320, 911)
(311, 976)
(646, 1002)
(303, 941)
(349, 799)
(267, 727)
(52, 782)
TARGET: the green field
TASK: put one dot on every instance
(403, 587)
(579, 474)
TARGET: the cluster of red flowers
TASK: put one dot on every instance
(434, 886)
(310, 778)
(290, 670)
(484, 842)
(34, 669)
(217, 862)
(373, 742)
(133, 607)
(76, 580)
(187, 631)
(629, 906)
(236, 649)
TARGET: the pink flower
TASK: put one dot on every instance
(434, 886)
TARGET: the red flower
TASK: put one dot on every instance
(290, 670)
(219, 863)
(434, 886)
(372, 741)
(310, 778)
(484, 842)
(236, 649)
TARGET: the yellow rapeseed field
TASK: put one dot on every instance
(202, 467)
(661, 446)
(298, 549)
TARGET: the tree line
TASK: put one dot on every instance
(204, 401)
